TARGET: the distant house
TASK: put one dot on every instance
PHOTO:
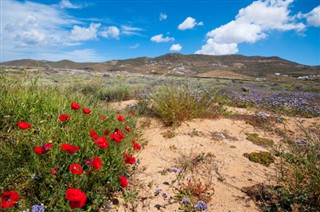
(261, 79)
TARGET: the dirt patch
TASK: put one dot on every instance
(203, 152)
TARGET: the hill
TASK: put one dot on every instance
(229, 66)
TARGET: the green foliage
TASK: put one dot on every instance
(300, 173)
(28, 173)
(175, 104)
(254, 138)
(115, 93)
(264, 158)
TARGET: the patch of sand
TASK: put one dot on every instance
(228, 172)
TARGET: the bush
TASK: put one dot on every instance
(300, 173)
(264, 158)
(175, 104)
(254, 138)
(37, 166)
(117, 93)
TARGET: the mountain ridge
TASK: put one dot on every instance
(181, 64)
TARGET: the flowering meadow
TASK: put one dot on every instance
(61, 150)
(284, 102)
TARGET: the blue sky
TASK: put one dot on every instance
(102, 30)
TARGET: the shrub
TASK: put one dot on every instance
(116, 93)
(254, 138)
(300, 173)
(264, 158)
(175, 104)
(58, 152)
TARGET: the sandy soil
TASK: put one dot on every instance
(221, 143)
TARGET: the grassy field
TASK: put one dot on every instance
(78, 153)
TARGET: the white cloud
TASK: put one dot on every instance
(134, 46)
(313, 17)
(110, 32)
(189, 23)
(213, 48)
(163, 16)
(176, 47)
(160, 39)
(252, 23)
(237, 32)
(29, 26)
(68, 4)
(82, 33)
(127, 30)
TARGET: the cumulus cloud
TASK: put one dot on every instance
(68, 4)
(110, 32)
(82, 33)
(237, 32)
(163, 16)
(313, 17)
(128, 30)
(29, 25)
(160, 39)
(176, 47)
(214, 48)
(189, 23)
(252, 23)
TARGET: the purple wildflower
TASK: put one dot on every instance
(201, 206)
(37, 208)
(164, 196)
(185, 200)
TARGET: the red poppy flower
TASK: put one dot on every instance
(75, 106)
(127, 128)
(136, 146)
(123, 181)
(64, 117)
(119, 133)
(54, 171)
(129, 159)
(43, 149)
(24, 125)
(106, 132)
(96, 163)
(132, 112)
(102, 118)
(120, 118)
(115, 137)
(93, 134)
(75, 169)
(102, 142)
(69, 148)
(86, 110)
(9, 198)
(76, 197)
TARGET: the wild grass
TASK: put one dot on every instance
(29, 173)
(175, 104)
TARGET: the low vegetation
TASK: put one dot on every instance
(57, 141)
(264, 142)
(175, 104)
(264, 158)
(60, 150)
